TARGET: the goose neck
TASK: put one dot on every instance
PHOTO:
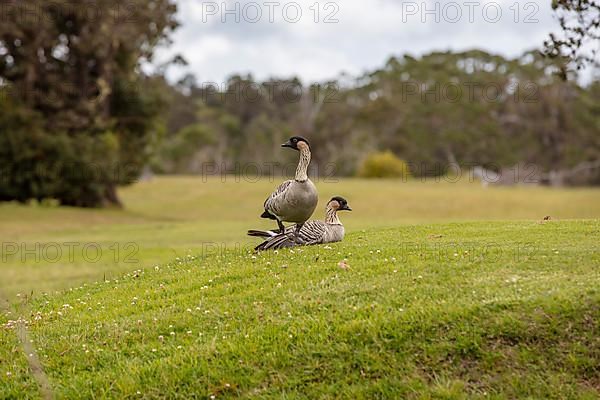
(302, 170)
(332, 217)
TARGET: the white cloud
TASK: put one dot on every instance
(367, 34)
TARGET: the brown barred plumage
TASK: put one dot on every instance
(311, 233)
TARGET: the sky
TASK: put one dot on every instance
(320, 40)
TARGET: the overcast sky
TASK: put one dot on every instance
(289, 38)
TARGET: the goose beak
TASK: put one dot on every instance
(287, 144)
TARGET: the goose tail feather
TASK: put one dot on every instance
(267, 215)
(262, 234)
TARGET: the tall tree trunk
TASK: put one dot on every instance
(111, 198)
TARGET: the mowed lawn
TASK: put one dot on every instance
(51, 248)
(440, 290)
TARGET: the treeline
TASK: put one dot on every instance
(435, 112)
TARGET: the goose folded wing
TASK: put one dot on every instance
(311, 233)
(277, 197)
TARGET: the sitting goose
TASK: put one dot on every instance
(294, 200)
(311, 232)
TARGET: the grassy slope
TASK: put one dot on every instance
(499, 309)
(168, 217)
(15, 379)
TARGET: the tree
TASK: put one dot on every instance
(580, 32)
(74, 68)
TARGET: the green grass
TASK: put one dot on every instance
(434, 304)
(15, 378)
(169, 217)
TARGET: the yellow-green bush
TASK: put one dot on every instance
(384, 165)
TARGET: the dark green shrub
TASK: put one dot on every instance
(77, 170)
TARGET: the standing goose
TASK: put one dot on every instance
(311, 232)
(294, 200)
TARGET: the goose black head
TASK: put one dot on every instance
(296, 142)
(343, 204)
